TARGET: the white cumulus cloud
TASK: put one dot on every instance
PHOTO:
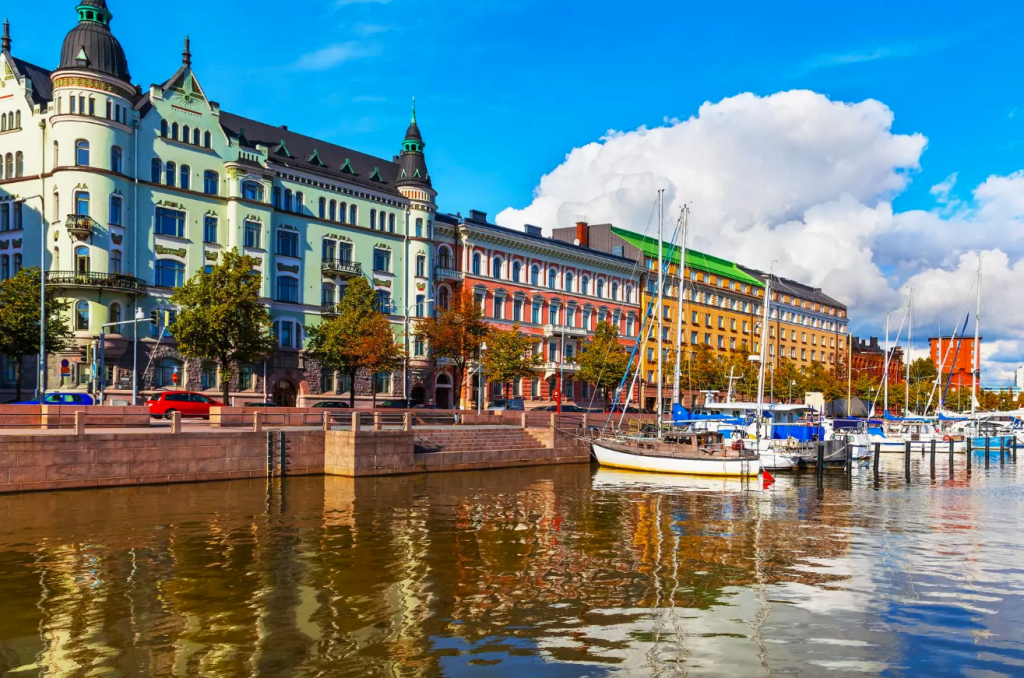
(806, 183)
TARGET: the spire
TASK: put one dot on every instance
(411, 162)
(5, 42)
(186, 56)
(414, 109)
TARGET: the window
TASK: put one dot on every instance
(327, 381)
(170, 222)
(328, 249)
(115, 159)
(391, 223)
(208, 376)
(170, 170)
(443, 298)
(169, 273)
(82, 316)
(115, 262)
(373, 215)
(418, 348)
(156, 170)
(327, 295)
(568, 282)
(600, 288)
(287, 243)
(516, 271)
(5, 267)
(345, 252)
(244, 375)
(535, 276)
(535, 313)
(211, 183)
(421, 265)
(275, 198)
(114, 314)
(584, 285)
(499, 308)
(298, 202)
(287, 333)
(195, 136)
(163, 127)
(384, 302)
(421, 300)
(381, 260)
(353, 215)
(82, 153)
(209, 228)
(419, 228)
(615, 290)
(552, 278)
(164, 373)
(287, 289)
(174, 131)
(322, 209)
(496, 268)
(382, 383)
(207, 140)
(476, 263)
(82, 203)
(252, 191)
(251, 237)
(186, 177)
(56, 153)
(114, 214)
(517, 310)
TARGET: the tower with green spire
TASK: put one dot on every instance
(411, 161)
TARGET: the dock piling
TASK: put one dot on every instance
(1002, 450)
(906, 460)
(970, 453)
(933, 459)
(987, 446)
(878, 454)
(819, 467)
(950, 458)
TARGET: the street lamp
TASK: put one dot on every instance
(139, 318)
(791, 385)
(480, 376)
(405, 379)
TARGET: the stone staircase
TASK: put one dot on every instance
(489, 440)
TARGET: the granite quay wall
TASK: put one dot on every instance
(63, 416)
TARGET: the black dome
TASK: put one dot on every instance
(102, 51)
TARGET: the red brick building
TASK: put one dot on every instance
(956, 356)
(869, 358)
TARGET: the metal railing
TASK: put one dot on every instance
(343, 267)
(556, 330)
(328, 309)
(115, 281)
(447, 274)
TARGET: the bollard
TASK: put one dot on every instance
(552, 420)
(175, 423)
(376, 421)
(327, 422)
(986, 451)
(950, 458)
(933, 459)
(970, 453)
(407, 421)
(355, 422)
(79, 423)
(878, 454)
(906, 460)
(257, 421)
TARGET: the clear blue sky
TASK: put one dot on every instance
(507, 87)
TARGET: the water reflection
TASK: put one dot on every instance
(564, 571)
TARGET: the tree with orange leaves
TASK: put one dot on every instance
(456, 334)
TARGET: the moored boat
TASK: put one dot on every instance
(680, 453)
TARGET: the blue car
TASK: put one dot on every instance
(62, 399)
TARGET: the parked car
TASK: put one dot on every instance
(188, 403)
(62, 399)
(263, 404)
(332, 404)
(566, 409)
(632, 409)
(400, 404)
(507, 405)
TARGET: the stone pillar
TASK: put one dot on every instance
(79, 423)
(175, 423)
(257, 422)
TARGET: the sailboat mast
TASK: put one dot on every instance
(762, 355)
(661, 298)
(977, 349)
(910, 347)
(885, 368)
(683, 219)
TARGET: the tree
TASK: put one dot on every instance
(335, 343)
(19, 320)
(455, 334)
(604, 361)
(508, 356)
(222, 318)
(377, 349)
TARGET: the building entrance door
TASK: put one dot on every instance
(284, 393)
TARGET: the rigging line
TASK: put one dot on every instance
(888, 359)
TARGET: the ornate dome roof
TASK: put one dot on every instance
(91, 45)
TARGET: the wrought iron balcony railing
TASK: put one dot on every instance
(112, 281)
(447, 274)
(80, 226)
(345, 268)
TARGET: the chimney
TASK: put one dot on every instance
(477, 215)
(583, 233)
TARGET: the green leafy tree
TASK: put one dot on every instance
(377, 348)
(508, 356)
(19, 320)
(222, 318)
(603, 362)
(455, 334)
(335, 343)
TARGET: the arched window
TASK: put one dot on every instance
(56, 154)
(496, 268)
(169, 173)
(252, 190)
(600, 288)
(82, 203)
(174, 131)
(207, 140)
(19, 164)
(114, 315)
(287, 289)
(476, 263)
(552, 278)
(353, 215)
(629, 294)
(82, 316)
(185, 132)
(391, 223)
(115, 159)
(535, 276)
(115, 262)
(9, 162)
(186, 177)
(275, 197)
(5, 261)
(195, 136)
(615, 290)
(334, 210)
(287, 200)
(568, 282)
(82, 153)
(298, 202)
(156, 168)
(322, 213)
(115, 211)
(421, 265)
(419, 228)
(169, 273)
(443, 298)
(3, 122)
(516, 271)
(17, 120)
(444, 258)
(373, 220)
(163, 128)
(211, 183)
(17, 263)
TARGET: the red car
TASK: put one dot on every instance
(188, 403)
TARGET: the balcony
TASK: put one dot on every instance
(108, 281)
(447, 274)
(342, 268)
(328, 310)
(552, 368)
(559, 330)
(80, 226)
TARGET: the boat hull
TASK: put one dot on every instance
(733, 467)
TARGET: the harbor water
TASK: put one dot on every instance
(555, 571)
